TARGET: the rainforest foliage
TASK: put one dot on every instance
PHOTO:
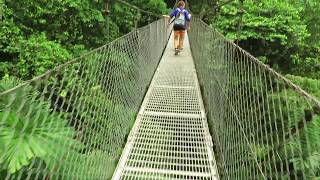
(38, 35)
(285, 36)
(64, 120)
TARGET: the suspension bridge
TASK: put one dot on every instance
(133, 110)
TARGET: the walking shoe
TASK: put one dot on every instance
(176, 51)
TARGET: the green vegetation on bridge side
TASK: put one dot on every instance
(283, 34)
(72, 122)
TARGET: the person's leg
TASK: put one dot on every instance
(181, 39)
(176, 39)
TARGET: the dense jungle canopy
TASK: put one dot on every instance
(36, 35)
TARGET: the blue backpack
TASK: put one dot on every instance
(180, 19)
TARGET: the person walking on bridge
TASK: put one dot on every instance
(182, 17)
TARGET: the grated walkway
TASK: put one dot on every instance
(170, 139)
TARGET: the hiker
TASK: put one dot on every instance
(182, 16)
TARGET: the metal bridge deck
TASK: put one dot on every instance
(170, 139)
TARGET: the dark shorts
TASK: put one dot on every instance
(178, 28)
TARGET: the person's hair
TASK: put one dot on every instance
(181, 3)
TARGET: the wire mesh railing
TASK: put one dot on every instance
(263, 126)
(72, 122)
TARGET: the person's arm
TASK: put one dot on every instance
(188, 18)
(187, 15)
(173, 14)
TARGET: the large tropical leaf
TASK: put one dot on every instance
(30, 129)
